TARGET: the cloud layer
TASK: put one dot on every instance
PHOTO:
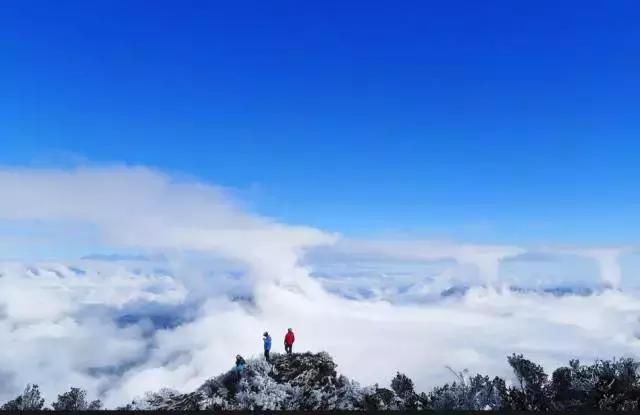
(206, 278)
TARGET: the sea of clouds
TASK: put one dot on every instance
(187, 278)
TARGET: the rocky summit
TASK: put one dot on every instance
(301, 381)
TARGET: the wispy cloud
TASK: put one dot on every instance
(142, 208)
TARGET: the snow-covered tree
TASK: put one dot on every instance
(402, 385)
(532, 392)
(30, 400)
(73, 400)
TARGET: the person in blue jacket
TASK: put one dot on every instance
(267, 344)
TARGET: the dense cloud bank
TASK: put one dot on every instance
(185, 278)
(120, 330)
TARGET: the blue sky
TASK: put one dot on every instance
(477, 120)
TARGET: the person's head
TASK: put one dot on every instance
(265, 334)
(289, 330)
(238, 357)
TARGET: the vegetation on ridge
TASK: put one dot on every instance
(308, 381)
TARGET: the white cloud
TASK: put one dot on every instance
(141, 208)
(485, 258)
(608, 260)
(97, 323)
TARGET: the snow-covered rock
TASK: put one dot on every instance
(301, 381)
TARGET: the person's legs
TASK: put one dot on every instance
(266, 355)
(287, 348)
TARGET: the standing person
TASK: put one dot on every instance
(267, 344)
(289, 338)
(240, 363)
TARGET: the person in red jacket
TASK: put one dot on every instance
(289, 338)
